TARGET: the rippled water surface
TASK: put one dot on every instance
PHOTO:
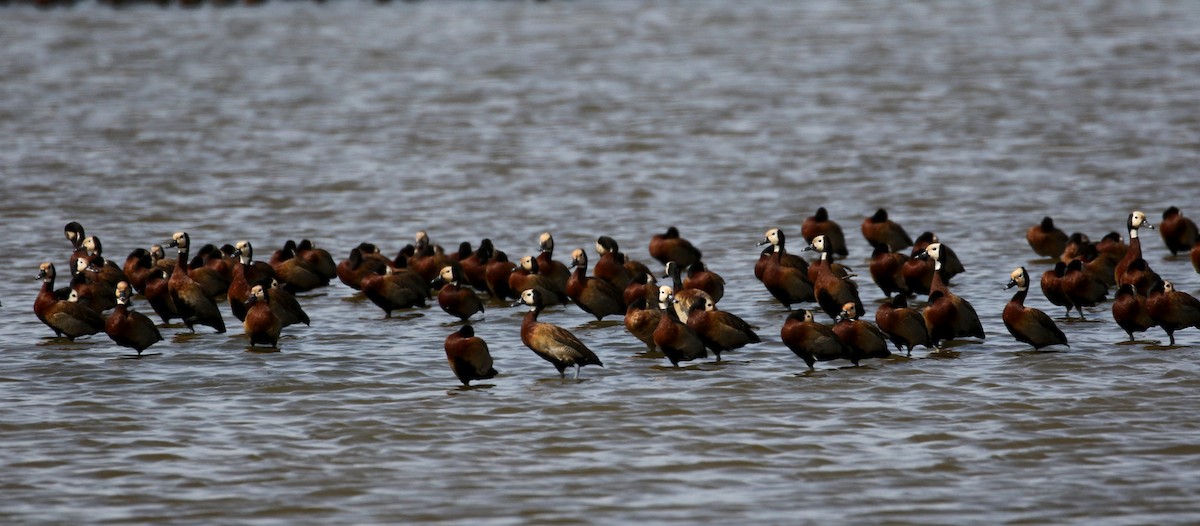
(351, 121)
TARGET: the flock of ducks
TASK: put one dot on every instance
(679, 319)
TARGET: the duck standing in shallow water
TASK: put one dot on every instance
(261, 324)
(65, 317)
(596, 296)
(903, 325)
(720, 331)
(190, 300)
(551, 342)
(947, 316)
(878, 229)
(673, 337)
(455, 297)
(130, 328)
(1172, 309)
(861, 338)
(1178, 232)
(1129, 311)
(784, 278)
(669, 246)
(1046, 239)
(1027, 324)
(468, 355)
(810, 340)
(819, 224)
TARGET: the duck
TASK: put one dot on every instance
(554, 270)
(158, 295)
(820, 224)
(878, 229)
(454, 297)
(1112, 246)
(831, 291)
(682, 297)
(1133, 223)
(887, 270)
(75, 234)
(701, 278)
(64, 317)
(1129, 311)
(364, 259)
(285, 306)
(641, 320)
(1027, 324)
(138, 266)
(191, 301)
(1140, 276)
(611, 265)
(394, 289)
(1110, 250)
(261, 323)
(528, 275)
(1082, 290)
(947, 316)
(1045, 239)
(105, 269)
(94, 291)
(218, 261)
(319, 258)
(1053, 289)
(904, 326)
(918, 273)
(551, 342)
(211, 281)
(861, 338)
(427, 259)
(297, 274)
(1172, 309)
(158, 256)
(1178, 232)
(786, 282)
(596, 296)
(669, 246)
(468, 356)
(720, 331)
(810, 340)
(130, 328)
(788, 260)
(644, 286)
(499, 269)
(673, 337)
(245, 274)
(474, 266)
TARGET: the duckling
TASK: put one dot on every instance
(499, 269)
(669, 246)
(1133, 223)
(554, 270)
(1028, 324)
(682, 297)
(1052, 287)
(611, 265)
(595, 296)
(64, 317)
(285, 306)
(297, 274)
(468, 356)
(454, 298)
(1172, 310)
(719, 331)
(319, 258)
(527, 275)
(1129, 311)
(643, 286)
(130, 328)
(640, 321)
(245, 274)
(673, 337)
(192, 303)
(261, 324)
(551, 342)
(701, 278)
(887, 270)
(904, 326)
(947, 316)
(786, 283)
(863, 339)
(810, 340)
(832, 292)
(158, 295)
(820, 224)
(1081, 290)
(1178, 232)
(1046, 239)
(879, 229)
(363, 260)
(394, 289)
(138, 266)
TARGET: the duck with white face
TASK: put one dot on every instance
(1027, 324)
(552, 343)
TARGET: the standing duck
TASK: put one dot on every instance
(786, 282)
(554, 270)
(245, 274)
(64, 317)
(261, 324)
(1028, 324)
(528, 275)
(810, 340)
(1129, 311)
(1046, 239)
(1053, 287)
(832, 292)
(947, 316)
(158, 295)
(468, 355)
(551, 342)
(130, 328)
(673, 337)
(1081, 289)
(319, 258)
(395, 289)
(887, 270)
(1178, 232)
(819, 224)
(499, 269)
(878, 229)
(863, 339)
(1136, 221)
(364, 260)
(668, 246)
(454, 297)
(138, 266)
(594, 295)
(1172, 310)
(641, 320)
(192, 303)
(720, 331)
(903, 325)
(611, 265)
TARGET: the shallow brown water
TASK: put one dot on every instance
(350, 121)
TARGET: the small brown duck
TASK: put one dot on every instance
(1129, 311)
(1052, 287)
(554, 270)
(130, 328)
(611, 265)
(673, 337)
(641, 320)
(669, 246)
(700, 277)
(191, 301)
(720, 331)
(64, 317)
(887, 271)
(1028, 324)
(786, 282)
(1082, 290)
(1133, 223)
(596, 296)
(832, 291)
(819, 224)
(861, 338)
(1178, 232)
(810, 340)
(261, 324)
(551, 342)
(947, 316)
(455, 297)
(878, 229)
(1172, 310)
(365, 259)
(683, 298)
(395, 289)
(1046, 239)
(468, 356)
(903, 325)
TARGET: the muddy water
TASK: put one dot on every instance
(351, 121)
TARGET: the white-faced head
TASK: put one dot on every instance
(546, 242)
(257, 294)
(447, 275)
(578, 258)
(848, 311)
(422, 240)
(1137, 220)
(157, 252)
(531, 297)
(808, 316)
(820, 244)
(1018, 278)
(1168, 286)
(92, 245)
(81, 264)
(73, 297)
(244, 251)
(709, 304)
(529, 263)
(123, 293)
(46, 272)
(666, 295)
(773, 236)
(179, 239)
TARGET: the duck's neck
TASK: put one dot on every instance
(1019, 297)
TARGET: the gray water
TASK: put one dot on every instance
(351, 121)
